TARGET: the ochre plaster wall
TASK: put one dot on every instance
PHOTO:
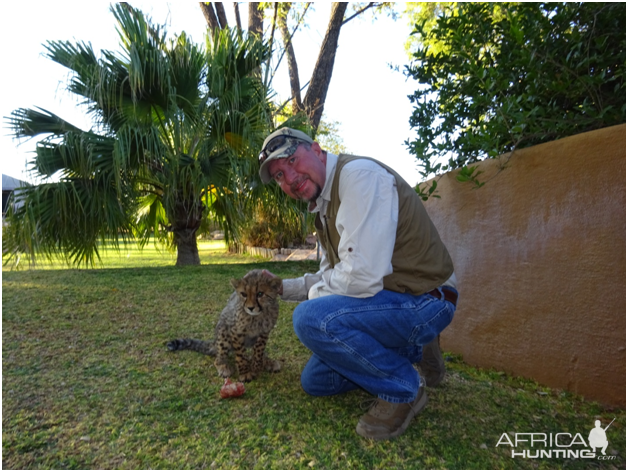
(540, 258)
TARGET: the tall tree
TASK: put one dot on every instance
(293, 67)
(313, 103)
(236, 11)
(210, 16)
(256, 19)
(176, 127)
(216, 16)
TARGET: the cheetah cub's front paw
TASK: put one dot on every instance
(272, 365)
(246, 377)
(223, 370)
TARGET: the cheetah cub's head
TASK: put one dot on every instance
(256, 291)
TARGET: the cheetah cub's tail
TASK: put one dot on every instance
(204, 347)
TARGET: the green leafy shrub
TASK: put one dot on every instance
(496, 77)
(277, 221)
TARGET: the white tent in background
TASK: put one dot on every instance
(9, 184)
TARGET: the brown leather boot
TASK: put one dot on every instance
(386, 420)
(432, 365)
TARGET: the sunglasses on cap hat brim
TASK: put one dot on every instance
(275, 144)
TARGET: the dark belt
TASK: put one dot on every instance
(449, 294)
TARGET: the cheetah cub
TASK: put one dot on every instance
(246, 322)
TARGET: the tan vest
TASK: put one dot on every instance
(420, 259)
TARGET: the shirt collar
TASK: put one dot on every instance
(330, 171)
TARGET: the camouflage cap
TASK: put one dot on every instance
(278, 145)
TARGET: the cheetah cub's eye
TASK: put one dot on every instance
(243, 294)
(260, 294)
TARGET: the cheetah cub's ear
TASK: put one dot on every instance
(275, 284)
(235, 283)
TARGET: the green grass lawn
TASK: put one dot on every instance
(88, 383)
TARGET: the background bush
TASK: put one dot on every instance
(495, 77)
(278, 221)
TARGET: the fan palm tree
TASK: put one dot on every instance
(176, 131)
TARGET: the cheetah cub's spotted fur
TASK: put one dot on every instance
(246, 322)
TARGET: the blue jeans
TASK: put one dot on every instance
(368, 343)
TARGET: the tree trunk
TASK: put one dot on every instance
(210, 17)
(187, 248)
(236, 9)
(256, 19)
(314, 101)
(293, 70)
(185, 222)
(222, 16)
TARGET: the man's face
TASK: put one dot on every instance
(302, 175)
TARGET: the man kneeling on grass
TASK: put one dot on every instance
(385, 289)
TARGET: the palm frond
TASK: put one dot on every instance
(33, 122)
(177, 131)
(151, 221)
(68, 217)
